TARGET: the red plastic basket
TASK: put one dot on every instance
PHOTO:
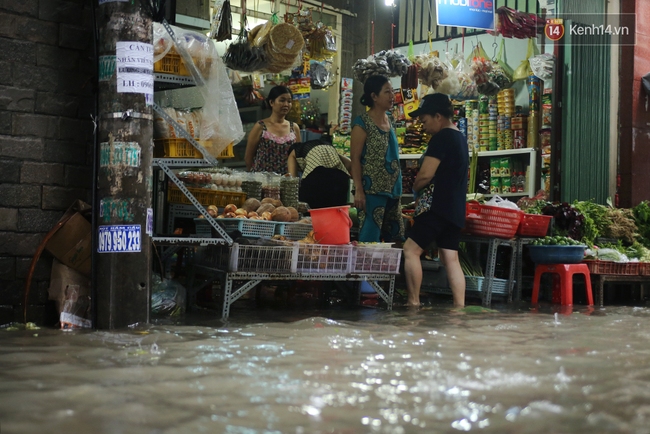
(492, 221)
(534, 225)
(610, 267)
(644, 268)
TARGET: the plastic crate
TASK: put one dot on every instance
(182, 148)
(610, 267)
(174, 64)
(321, 258)
(175, 148)
(203, 65)
(644, 268)
(475, 283)
(229, 152)
(203, 228)
(205, 196)
(263, 259)
(294, 231)
(492, 221)
(375, 260)
(534, 225)
(170, 64)
(249, 228)
(213, 256)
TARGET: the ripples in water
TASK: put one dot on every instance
(362, 371)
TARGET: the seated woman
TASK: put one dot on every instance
(325, 173)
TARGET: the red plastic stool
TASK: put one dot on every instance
(565, 272)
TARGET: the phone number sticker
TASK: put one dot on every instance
(119, 239)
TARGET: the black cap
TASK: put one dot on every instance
(432, 104)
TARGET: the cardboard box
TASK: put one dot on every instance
(71, 292)
(71, 244)
(194, 8)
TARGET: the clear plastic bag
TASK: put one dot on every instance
(167, 297)
(468, 88)
(543, 66)
(221, 123)
(451, 84)
(502, 203)
(162, 42)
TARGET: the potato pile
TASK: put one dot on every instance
(253, 209)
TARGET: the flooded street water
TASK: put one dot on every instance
(360, 371)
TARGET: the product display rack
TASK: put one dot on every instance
(173, 243)
(170, 81)
(532, 154)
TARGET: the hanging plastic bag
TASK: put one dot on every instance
(221, 124)
(523, 70)
(451, 84)
(410, 53)
(468, 88)
(321, 74)
(481, 67)
(501, 60)
(223, 32)
(241, 55)
(432, 71)
(543, 65)
(162, 42)
(501, 72)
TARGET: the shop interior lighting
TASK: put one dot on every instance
(389, 2)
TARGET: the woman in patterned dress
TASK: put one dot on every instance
(270, 139)
(325, 173)
(375, 166)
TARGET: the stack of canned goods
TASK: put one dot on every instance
(472, 115)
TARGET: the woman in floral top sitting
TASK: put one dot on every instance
(270, 139)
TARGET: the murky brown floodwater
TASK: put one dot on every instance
(364, 371)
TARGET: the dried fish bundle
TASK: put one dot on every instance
(242, 56)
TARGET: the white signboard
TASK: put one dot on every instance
(119, 239)
(134, 64)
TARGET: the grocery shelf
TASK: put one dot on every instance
(187, 241)
(181, 162)
(170, 81)
(250, 280)
(507, 152)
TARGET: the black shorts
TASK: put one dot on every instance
(430, 227)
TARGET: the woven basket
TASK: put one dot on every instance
(286, 39)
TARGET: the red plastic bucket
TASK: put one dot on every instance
(331, 225)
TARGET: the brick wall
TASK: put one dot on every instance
(46, 99)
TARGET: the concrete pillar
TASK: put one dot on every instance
(124, 181)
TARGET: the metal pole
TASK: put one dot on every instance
(125, 176)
